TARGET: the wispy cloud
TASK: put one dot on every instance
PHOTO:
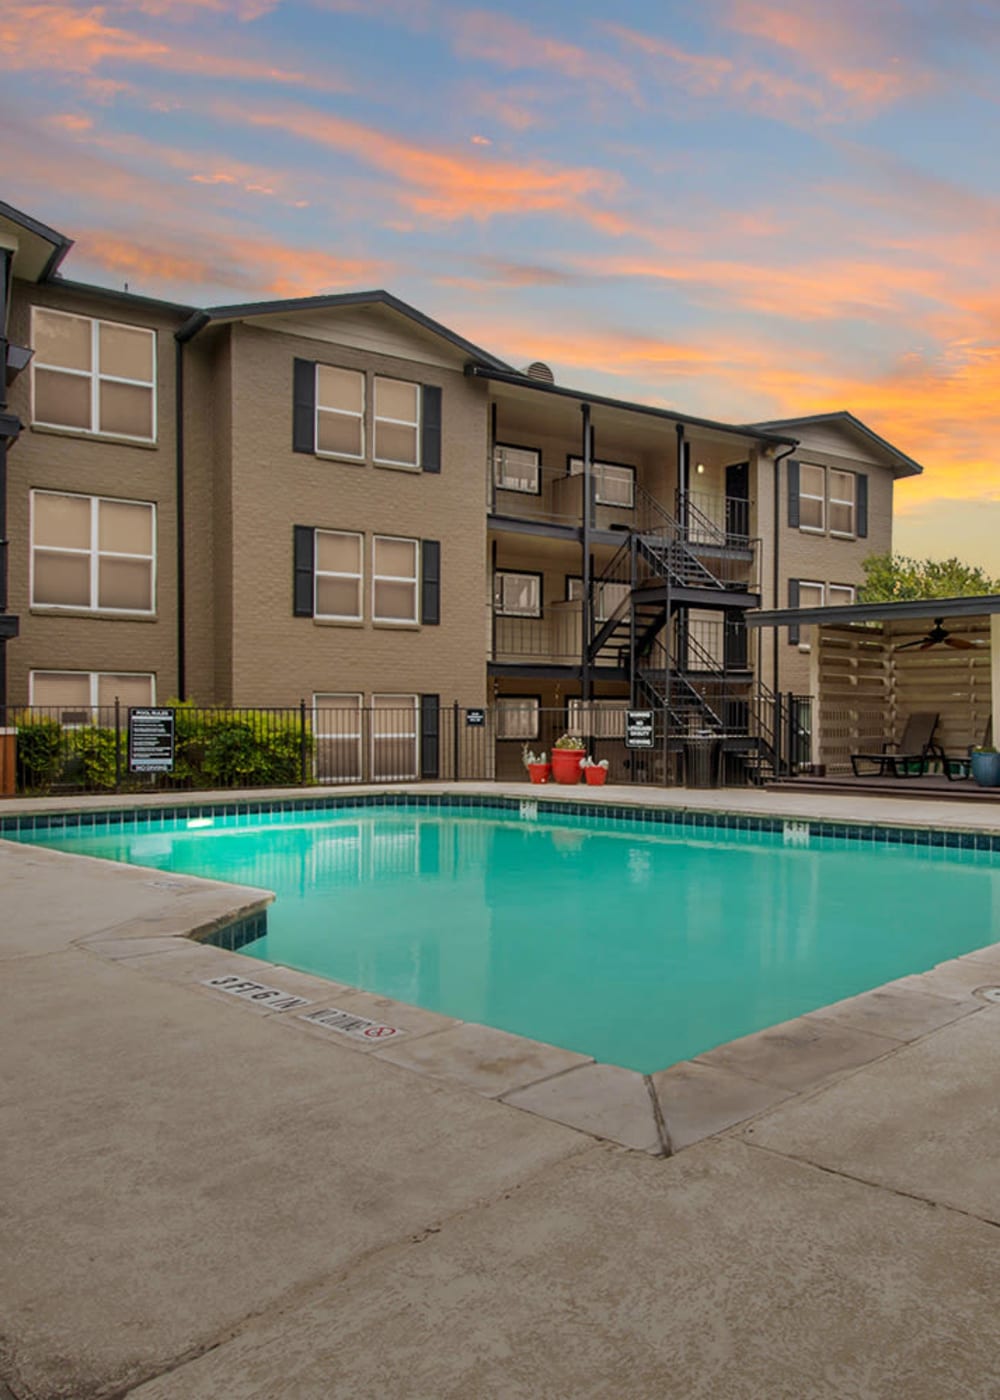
(57, 37)
(440, 184)
(495, 38)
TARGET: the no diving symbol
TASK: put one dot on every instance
(377, 1032)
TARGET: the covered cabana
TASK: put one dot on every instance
(873, 665)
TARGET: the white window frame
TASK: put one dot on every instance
(341, 413)
(811, 496)
(96, 555)
(319, 573)
(516, 482)
(812, 583)
(505, 705)
(318, 710)
(378, 418)
(600, 719)
(94, 680)
(500, 607)
(599, 471)
(833, 500)
(397, 578)
(574, 594)
(403, 705)
(94, 375)
(841, 588)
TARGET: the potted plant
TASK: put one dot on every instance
(568, 754)
(539, 769)
(986, 767)
(595, 772)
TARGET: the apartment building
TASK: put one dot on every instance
(336, 499)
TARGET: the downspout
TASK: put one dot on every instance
(588, 573)
(776, 562)
(179, 495)
(775, 585)
(195, 322)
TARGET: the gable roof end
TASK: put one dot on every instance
(901, 463)
(244, 310)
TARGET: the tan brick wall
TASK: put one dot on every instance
(87, 465)
(278, 658)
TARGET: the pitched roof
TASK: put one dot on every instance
(903, 465)
(240, 311)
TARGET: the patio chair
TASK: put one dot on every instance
(908, 758)
(960, 765)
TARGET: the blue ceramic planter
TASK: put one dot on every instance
(986, 769)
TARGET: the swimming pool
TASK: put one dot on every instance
(636, 942)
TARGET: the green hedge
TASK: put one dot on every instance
(214, 748)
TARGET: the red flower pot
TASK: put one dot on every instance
(596, 777)
(566, 765)
(539, 772)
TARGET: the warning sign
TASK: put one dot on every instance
(639, 729)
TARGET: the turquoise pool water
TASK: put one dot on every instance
(616, 939)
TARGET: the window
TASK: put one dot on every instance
(395, 566)
(337, 723)
(340, 412)
(93, 376)
(839, 595)
(517, 716)
(812, 497)
(397, 423)
(394, 737)
(76, 694)
(608, 596)
(517, 595)
(517, 469)
(338, 575)
(92, 553)
(614, 484)
(811, 595)
(599, 719)
(842, 499)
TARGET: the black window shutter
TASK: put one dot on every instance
(304, 554)
(430, 428)
(430, 582)
(862, 506)
(793, 602)
(430, 709)
(304, 406)
(793, 495)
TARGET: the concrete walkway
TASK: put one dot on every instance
(206, 1198)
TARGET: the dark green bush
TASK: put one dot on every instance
(39, 750)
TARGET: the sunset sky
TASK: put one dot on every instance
(741, 210)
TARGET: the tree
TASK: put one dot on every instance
(895, 578)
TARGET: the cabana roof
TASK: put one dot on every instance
(980, 606)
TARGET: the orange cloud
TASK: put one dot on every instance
(725, 79)
(55, 36)
(440, 184)
(850, 46)
(508, 43)
(260, 267)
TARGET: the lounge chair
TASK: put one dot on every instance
(960, 765)
(908, 758)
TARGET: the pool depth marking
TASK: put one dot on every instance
(347, 1023)
(257, 992)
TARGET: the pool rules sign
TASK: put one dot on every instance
(150, 740)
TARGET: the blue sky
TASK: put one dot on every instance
(740, 209)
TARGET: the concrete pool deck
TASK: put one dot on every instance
(204, 1198)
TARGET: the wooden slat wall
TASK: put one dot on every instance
(853, 705)
(953, 683)
(866, 689)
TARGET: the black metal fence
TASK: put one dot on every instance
(56, 750)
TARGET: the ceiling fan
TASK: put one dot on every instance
(938, 634)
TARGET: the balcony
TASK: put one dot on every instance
(556, 639)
